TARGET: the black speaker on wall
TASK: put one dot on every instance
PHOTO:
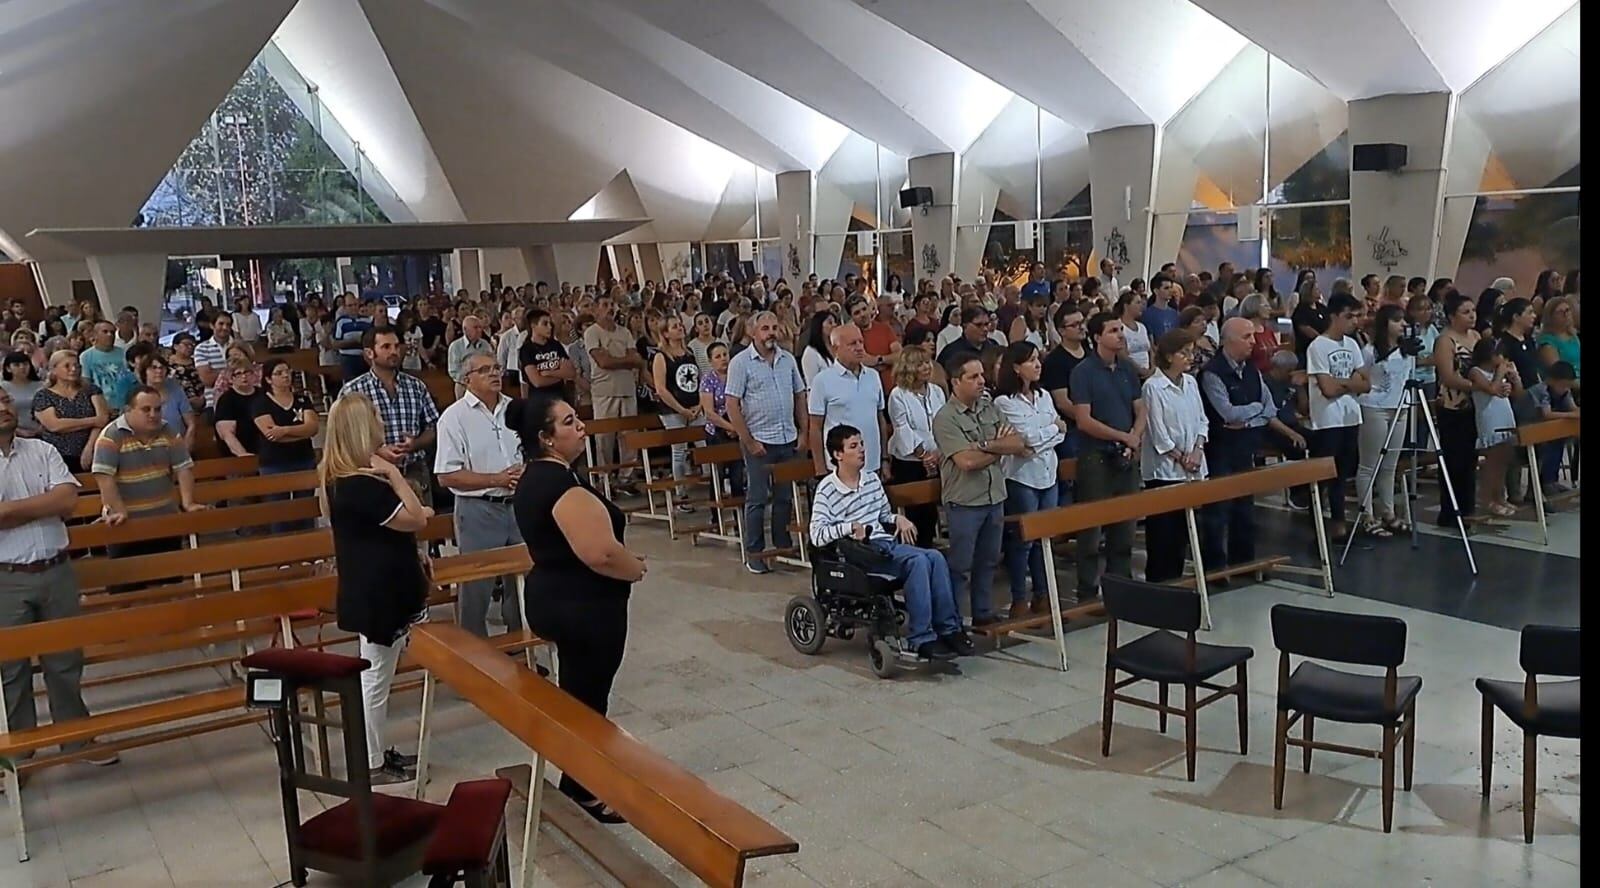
(916, 197)
(1379, 157)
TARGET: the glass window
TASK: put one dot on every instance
(1212, 151)
(892, 179)
(1518, 236)
(1068, 248)
(897, 259)
(1316, 238)
(1309, 148)
(1210, 239)
(1063, 169)
(1001, 257)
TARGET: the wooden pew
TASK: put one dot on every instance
(1047, 524)
(89, 504)
(204, 470)
(1531, 436)
(711, 835)
(927, 492)
(642, 442)
(798, 473)
(722, 503)
(605, 471)
(192, 525)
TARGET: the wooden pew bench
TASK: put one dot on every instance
(204, 470)
(602, 473)
(1048, 524)
(715, 458)
(1531, 436)
(799, 473)
(192, 525)
(651, 445)
(89, 504)
(710, 834)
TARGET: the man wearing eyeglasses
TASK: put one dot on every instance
(976, 323)
(1055, 378)
(480, 460)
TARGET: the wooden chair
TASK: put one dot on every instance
(469, 845)
(1314, 691)
(1167, 659)
(1540, 709)
(376, 839)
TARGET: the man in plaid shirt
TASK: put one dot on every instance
(404, 404)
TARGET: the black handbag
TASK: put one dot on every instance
(862, 554)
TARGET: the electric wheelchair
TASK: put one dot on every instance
(846, 598)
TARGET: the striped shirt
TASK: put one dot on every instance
(143, 469)
(836, 506)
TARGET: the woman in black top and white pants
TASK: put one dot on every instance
(383, 584)
(577, 592)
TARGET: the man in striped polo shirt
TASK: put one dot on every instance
(143, 468)
(852, 503)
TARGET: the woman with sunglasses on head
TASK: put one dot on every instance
(576, 595)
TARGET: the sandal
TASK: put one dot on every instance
(1397, 524)
(1504, 510)
(1372, 527)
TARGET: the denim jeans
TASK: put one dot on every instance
(930, 600)
(1550, 454)
(284, 469)
(1023, 558)
(680, 452)
(758, 489)
(975, 533)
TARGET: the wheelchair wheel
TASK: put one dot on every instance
(880, 658)
(805, 624)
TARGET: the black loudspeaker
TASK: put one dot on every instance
(916, 197)
(1382, 157)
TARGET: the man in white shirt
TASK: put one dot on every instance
(479, 458)
(1335, 376)
(127, 327)
(246, 323)
(1108, 279)
(472, 342)
(850, 503)
(846, 393)
(36, 580)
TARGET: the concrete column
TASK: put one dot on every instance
(1394, 216)
(1122, 179)
(466, 268)
(796, 208)
(933, 228)
(647, 258)
(55, 280)
(574, 263)
(511, 263)
(136, 279)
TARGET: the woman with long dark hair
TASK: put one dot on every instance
(576, 595)
(816, 357)
(1458, 427)
(1547, 287)
(1032, 482)
(1267, 291)
(1388, 369)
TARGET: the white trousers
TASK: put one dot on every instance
(1374, 425)
(375, 682)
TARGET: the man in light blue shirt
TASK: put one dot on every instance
(766, 404)
(846, 393)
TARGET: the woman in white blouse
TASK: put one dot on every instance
(913, 456)
(1031, 482)
(1174, 448)
(1129, 308)
(816, 357)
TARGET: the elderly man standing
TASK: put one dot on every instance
(404, 404)
(847, 392)
(36, 581)
(1240, 405)
(767, 406)
(472, 342)
(615, 366)
(480, 460)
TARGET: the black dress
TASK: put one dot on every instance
(584, 614)
(382, 587)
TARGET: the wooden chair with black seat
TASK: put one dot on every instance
(1167, 658)
(373, 839)
(1315, 691)
(1540, 709)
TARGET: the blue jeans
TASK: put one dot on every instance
(1023, 558)
(930, 602)
(1550, 454)
(974, 552)
(758, 489)
(290, 526)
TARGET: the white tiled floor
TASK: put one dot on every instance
(989, 778)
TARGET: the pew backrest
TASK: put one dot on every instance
(211, 521)
(223, 489)
(1547, 430)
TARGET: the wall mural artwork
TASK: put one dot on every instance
(930, 259)
(794, 260)
(1117, 247)
(1386, 251)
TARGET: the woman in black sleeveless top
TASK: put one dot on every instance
(577, 592)
(677, 382)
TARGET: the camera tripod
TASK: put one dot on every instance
(1412, 399)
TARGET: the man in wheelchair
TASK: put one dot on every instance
(850, 505)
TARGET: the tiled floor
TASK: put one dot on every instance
(989, 778)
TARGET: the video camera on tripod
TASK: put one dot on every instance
(1410, 343)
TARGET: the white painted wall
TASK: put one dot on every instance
(1394, 216)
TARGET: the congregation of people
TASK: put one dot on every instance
(984, 385)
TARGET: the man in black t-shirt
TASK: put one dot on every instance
(1056, 378)
(545, 364)
(433, 333)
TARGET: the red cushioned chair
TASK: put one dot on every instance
(469, 845)
(370, 838)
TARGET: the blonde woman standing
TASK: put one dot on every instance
(375, 516)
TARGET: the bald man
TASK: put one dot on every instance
(472, 342)
(847, 392)
(1239, 405)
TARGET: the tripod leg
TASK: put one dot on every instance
(1449, 487)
